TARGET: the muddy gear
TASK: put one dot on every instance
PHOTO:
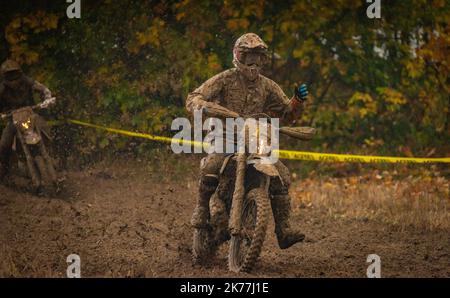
(249, 45)
(209, 180)
(230, 90)
(11, 73)
(250, 72)
(200, 216)
(301, 92)
(10, 66)
(234, 90)
(250, 41)
(281, 208)
(21, 94)
(219, 219)
(207, 186)
(249, 55)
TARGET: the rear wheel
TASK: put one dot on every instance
(245, 248)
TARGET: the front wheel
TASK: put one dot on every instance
(48, 177)
(43, 171)
(245, 247)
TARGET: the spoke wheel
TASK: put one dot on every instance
(245, 248)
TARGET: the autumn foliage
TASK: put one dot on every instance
(377, 85)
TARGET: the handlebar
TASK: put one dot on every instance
(41, 105)
(301, 133)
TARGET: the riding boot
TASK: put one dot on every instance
(286, 235)
(218, 220)
(200, 217)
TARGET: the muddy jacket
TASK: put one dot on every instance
(230, 90)
(22, 95)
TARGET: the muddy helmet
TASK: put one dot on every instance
(10, 66)
(249, 43)
(12, 73)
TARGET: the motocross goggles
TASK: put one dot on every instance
(12, 75)
(256, 56)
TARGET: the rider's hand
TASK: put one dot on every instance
(200, 104)
(3, 116)
(47, 102)
(301, 92)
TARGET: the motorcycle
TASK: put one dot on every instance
(30, 146)
(240, 207)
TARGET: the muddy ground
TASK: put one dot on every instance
(125, 219)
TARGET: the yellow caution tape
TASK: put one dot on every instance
(285, 154)
(330, 157)
(134, 134)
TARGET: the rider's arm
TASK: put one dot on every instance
(42, 89)
(209, 91)
(280, 106)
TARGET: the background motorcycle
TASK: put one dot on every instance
(30, 146)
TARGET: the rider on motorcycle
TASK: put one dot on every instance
(245, 91)
(16, 91)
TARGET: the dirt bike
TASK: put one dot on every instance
(243, 199)
(30, 147)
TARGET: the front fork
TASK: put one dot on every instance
(30, 161)
(48, 160)
(237, 203)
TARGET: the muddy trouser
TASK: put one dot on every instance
(278, 189)
(6, 143)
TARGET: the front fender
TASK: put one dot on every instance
(265, 168)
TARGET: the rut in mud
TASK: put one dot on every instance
(130, 219)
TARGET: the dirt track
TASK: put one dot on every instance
(124, 220)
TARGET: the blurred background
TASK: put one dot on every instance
(378, 86)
